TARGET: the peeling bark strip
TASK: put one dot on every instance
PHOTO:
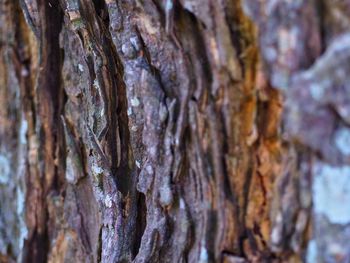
(153, 131)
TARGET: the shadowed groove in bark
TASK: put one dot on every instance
(49, 93)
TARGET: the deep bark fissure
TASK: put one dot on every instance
(49, 94)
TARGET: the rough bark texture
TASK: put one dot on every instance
(174, 131)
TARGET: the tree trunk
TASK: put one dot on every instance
(174, 131)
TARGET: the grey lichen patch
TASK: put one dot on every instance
(96, 84)
(342, 140)
(23, 230)
(203, 256)
(135, 102)
(129, 50)
(108, 201)
(331, 192)
(182, 204)
(129, 111)
(72, 5)
(5, 169)
(135, 41)
(80, 67)
(311, 254)
(277, 231)
(96, 169)
(23, 132)
(165, 195)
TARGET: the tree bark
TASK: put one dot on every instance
(174, 131)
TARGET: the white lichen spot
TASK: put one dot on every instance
(276, 235)
(311, 254)
(102, 113)
(96, 169)
(135, 42)
(4, 169)
(279, 218)
(24, 72)
(344, 112)
(23, 131)
(149, 169)
(182, 203)
(20, 201)
(138, 164)
(80, 67)
(331, 192)
(270, 54)
(108, 201)
(316, 91)
(23, 231)
(342, 140)
(134, 128)
(166, 196)
(169, 5)
(96, 84)
(153, 151)
(135, 102)
(203, 257)
(129, 111)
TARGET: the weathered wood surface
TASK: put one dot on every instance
(174, 131)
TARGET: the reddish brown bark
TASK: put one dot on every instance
(173, 131)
